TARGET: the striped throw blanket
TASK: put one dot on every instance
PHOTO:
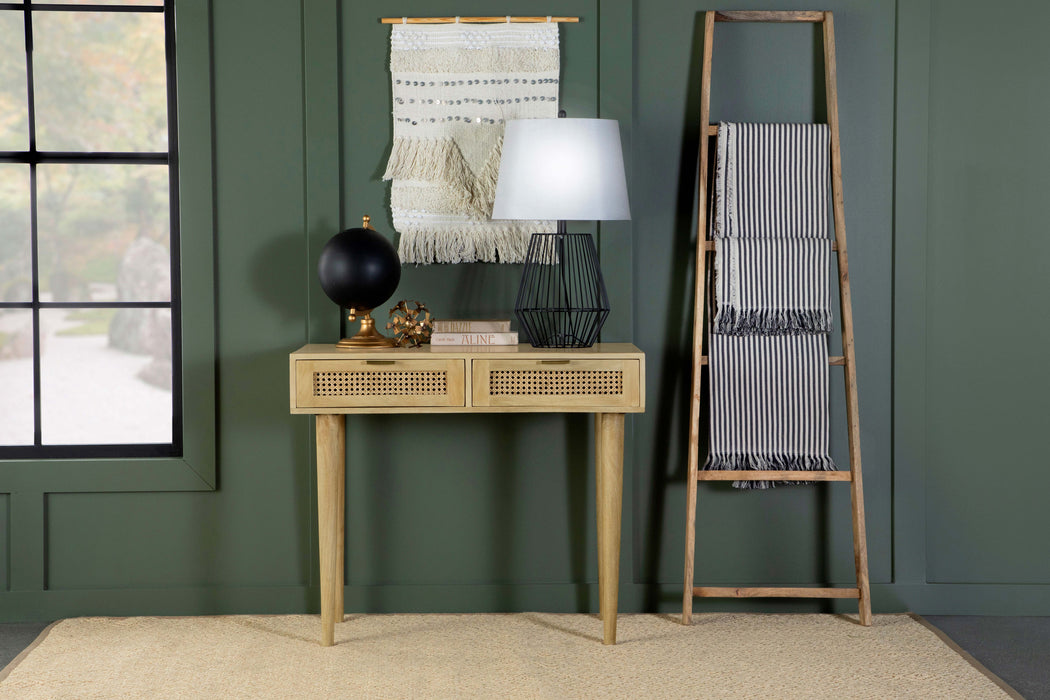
(769, 348)
(769, 404)
(454, 87)
(772, 285)
(771, 181)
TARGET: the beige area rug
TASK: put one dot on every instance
(529, 655)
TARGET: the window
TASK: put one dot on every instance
(89, 277)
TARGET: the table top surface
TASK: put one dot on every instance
(329, 351)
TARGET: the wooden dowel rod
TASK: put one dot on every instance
(756, 475)
(769, 16)
(777, 592)
(473, 20)
(833, 360)
(711, 245)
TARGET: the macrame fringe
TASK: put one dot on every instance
(732, 321)
(776, 462)
(440, 161)
(485, 183)
(453, 245)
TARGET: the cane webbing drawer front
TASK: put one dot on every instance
(362, 383)
(608, 384)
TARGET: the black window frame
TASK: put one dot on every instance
(34, 157)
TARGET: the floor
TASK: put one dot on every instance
(1017, 649)
(1014, 648)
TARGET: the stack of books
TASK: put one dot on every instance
(473, 332)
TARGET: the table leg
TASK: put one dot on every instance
(331, 479)
(598, 507)
(609, 458)
(340, 532)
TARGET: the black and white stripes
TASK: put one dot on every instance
(769, 349)
(769, 404)
(771, 181)
(772, 285)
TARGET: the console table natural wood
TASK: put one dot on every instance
(607, 380)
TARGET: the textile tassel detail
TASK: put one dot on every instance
(750, 462)
(440, 161)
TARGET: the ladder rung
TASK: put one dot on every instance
(759, 475)
(777, 592)
(710, 244)
(832, 360)
(769, 16)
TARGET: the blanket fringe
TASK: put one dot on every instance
(773, 462)
(732, 321)
(723, 224)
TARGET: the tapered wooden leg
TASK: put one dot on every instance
(610, 499)
(598, 506)
(331, 478)
(339, 609)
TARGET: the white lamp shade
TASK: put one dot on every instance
(569, 169)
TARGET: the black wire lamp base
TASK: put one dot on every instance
(562, 302)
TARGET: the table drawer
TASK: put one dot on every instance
(612, 384)
(362, 383)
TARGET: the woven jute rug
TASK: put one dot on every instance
(527, 655)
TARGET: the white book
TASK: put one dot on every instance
(480, 325)
(509, 338)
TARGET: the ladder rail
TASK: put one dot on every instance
(705, 246)
(700, 289)
(779, 16)
(860, 542)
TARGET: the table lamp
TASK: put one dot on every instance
(562, 169)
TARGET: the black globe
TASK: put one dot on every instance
(359, 269)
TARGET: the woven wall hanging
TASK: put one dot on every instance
(454, 88)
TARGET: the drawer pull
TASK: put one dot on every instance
(555, 362)
(380, 362)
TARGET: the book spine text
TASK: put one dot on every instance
(510, 338)
(469, 326)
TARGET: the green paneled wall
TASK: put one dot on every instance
(498, 512)
(988, 253)
(4, 544)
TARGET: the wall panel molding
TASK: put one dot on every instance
(911, 136)
(5, 542)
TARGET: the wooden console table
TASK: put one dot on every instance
(607, 380)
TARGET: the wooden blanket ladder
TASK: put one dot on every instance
(700, 330)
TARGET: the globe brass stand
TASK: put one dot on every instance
(367, 336)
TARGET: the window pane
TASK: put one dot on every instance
(100, 81)
(15, 273)
(14, 100)
(103, 232)
(16, 377)
(105, 376)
